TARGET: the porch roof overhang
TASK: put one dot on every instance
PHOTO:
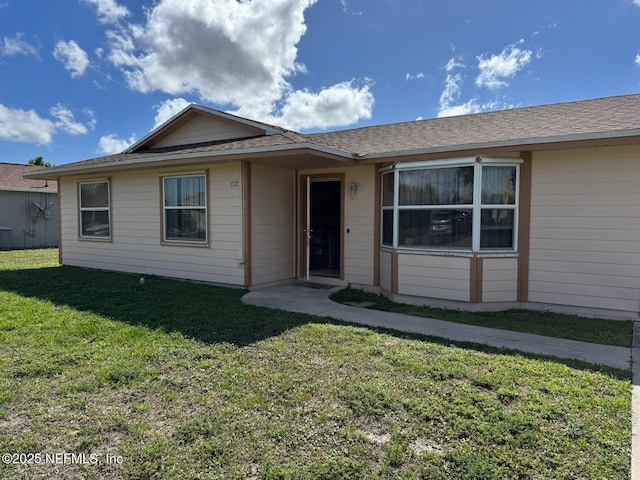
(299, 155)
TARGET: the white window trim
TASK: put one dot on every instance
(94, 209)
(476, 207)
(185, 241)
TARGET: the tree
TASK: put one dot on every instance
(39, 161)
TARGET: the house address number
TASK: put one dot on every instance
(235, 183)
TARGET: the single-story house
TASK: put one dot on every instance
(28, 209)
(535, 207)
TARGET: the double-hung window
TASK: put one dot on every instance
(95, 210)
(451, 205)
(184, 204)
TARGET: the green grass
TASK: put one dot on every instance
(593, 330)
(183, 381)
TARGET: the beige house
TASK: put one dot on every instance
(28, 209)
(534, 207)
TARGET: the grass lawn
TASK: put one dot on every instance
(592, 330)
(183, 381)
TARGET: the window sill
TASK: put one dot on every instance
(166, 243)
(450, 252)
(96, 239)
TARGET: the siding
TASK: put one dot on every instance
(499, 279)
(385, 270)
(136, 229)
(203, 128)
(29, 228)
(359, 216)
(272, 224)
(585, 228)
(432, 276)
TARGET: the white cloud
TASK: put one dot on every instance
(168, 109)
(25, 126)
(109, 11)
(462, 109)
(347, 10)
(74, 58)
(240, 54)
(339, 105)
(497, 70)
(110, 144)
(17, 125)
(451, 93)
(10, 47)
(418, 76)
(638, 56)
(66, 121)
(637, 2)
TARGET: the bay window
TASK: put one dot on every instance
(455, 205)
(184, 201)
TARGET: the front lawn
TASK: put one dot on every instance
(174, 380)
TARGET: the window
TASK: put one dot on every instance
(185, 208)
(459, 205)
(95, 221)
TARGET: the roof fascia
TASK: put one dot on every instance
(196, 157)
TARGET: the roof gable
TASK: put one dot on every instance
(198, 125)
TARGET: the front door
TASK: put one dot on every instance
(324, 227)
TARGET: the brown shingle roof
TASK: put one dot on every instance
(603, 118)
(522, 126)
(11, 178)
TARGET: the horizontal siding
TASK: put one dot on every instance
(136, 230)
(204, 128)
(499, 279)
(385, 270)
(272, 224)
(585, 228)
(359, 220)
(442, 277)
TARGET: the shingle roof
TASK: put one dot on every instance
(11, 178)
(516, 126)
(603, 118)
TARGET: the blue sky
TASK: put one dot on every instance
(85, 78)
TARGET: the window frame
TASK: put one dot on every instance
(81, 209)
(163, 210)
(477, 207)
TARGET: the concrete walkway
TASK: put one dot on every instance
(316, 302)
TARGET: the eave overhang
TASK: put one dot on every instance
(178, 158)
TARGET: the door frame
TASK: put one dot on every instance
(303, 207)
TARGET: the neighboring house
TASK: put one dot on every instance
(535, 207)
(28, 209)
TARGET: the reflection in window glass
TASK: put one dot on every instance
(186, 225)
(185, 209)
(387, 190)
(94, 194)
(499, 185)
(435, 228)
(437, 186)
(387, 227)
(496, 228)
(94, 223)
(94, 210)
(184, 191)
